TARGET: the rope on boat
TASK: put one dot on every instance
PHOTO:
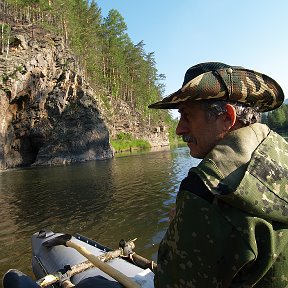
(76, 269)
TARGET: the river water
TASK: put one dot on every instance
(122, 198)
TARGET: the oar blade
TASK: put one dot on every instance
(59, 240)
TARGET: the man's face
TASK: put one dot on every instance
(200, 133)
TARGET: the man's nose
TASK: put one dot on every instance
(181, 128)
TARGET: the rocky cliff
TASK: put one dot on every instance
(49, 115)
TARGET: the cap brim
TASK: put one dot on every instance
(172, 101)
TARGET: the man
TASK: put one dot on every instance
(231, 223)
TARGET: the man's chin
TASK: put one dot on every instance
(193, 153)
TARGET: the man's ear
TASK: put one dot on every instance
(231, 113)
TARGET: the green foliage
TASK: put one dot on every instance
(277, 119)
(125, 142)
(6, 28)
(124, 136)
(4, 77)
(5, 34)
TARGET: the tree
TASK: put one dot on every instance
(277, 119)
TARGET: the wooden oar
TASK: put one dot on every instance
(65, 240)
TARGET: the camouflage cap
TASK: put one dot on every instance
(219, 81)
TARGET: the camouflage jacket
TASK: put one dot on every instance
(231, 224)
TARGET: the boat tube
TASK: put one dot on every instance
(60, 260)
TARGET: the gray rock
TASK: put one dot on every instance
(45, 118)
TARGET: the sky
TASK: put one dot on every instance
(182, 33)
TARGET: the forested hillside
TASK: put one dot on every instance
(277, 119)
(113, 64)
(73, 85)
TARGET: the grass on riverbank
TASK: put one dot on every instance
(125, 142)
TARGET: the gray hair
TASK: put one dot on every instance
(246, 115)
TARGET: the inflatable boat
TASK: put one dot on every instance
(62, 260)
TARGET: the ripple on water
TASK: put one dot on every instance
(108, 200)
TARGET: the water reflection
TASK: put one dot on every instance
(125, 197)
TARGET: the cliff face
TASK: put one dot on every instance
(48, 113)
